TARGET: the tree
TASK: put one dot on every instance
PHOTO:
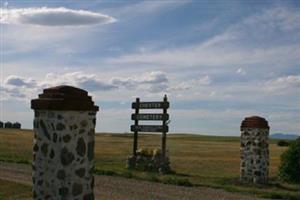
(289, 169)
(283, 143)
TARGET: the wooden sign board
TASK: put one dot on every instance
(149, 128)
(137, 116)
(151, 105)
(150, 116)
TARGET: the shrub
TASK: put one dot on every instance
(289, 169)
(148, 152)
(178, 181)
(283, 143)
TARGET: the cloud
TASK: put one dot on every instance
(180, 87)
(7, 92)
(19, 81)
(284, 84)
(158, 88)
(156, 77)
(245, 43)
(281, 18)
(128, 83)
(154, 82)
(240, 71)
(205, 80)
(27, 88)
(86, 81)
(192, 84)
(53, 17)
(152, 8)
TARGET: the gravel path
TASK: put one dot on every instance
(113, 188)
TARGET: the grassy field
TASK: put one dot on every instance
(196, 160)
(12, 191)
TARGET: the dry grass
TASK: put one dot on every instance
(12, 191)
(201, 160)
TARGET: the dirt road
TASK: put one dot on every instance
(113, 188)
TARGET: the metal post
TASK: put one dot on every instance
(136, 123)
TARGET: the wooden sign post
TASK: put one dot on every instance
(136, 123)
(164, 117)
(164, 133)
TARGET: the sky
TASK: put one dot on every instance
(218, 61)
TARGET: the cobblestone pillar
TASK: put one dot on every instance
(254, 150)
(63, 151)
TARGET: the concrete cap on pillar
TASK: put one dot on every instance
(255, 122)
(64, 98)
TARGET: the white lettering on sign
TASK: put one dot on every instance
(157, 117)
(151, 105)
(149, 128)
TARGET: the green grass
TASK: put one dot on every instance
(197, 160)
(11, 191)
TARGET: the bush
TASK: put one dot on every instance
(148, 152)
(283, 143)
(289, 169)
(178, 181)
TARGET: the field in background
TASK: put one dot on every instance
(196, 160)
(12, 191)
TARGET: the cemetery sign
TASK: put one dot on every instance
(163, 117)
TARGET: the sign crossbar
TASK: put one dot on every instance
(150, 117)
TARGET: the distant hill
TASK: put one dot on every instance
(284, 136)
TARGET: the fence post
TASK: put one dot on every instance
(63, 151)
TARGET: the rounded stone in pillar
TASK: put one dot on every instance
(64, 126)
(254, 150)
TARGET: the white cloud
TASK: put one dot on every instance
(180, 87)
(157, 88)
(53, 17)
(205, 80)
(284, 84)
(192, 84)
(154, 82)
(27, 88)
(279, 18)
(128, 83)
(154, 77)
(19, 81)
(226, 56)
(9, 92)
(240, 71)
(151, 8)
(245, 43)
(86, 81)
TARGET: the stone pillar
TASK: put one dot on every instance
(63, 151)
(254, 150)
